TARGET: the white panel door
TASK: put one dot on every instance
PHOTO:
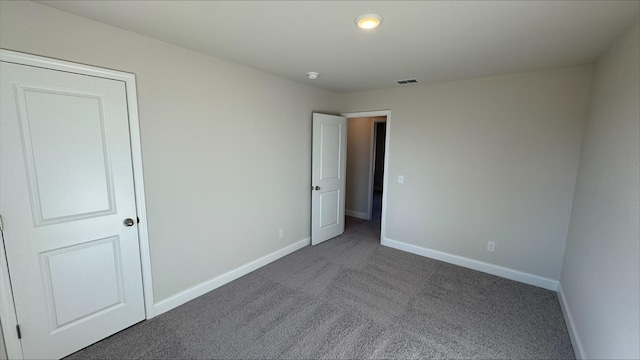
(329, 164)
(68, 208)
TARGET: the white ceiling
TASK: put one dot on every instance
(429, 40)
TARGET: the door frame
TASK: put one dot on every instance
(376, 113)
(7, 307)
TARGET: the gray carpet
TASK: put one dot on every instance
(352, 298)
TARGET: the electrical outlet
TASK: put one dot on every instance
(491, 246)
(281, 233)
(400, 179)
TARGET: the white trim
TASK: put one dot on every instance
(578, 348)
(385, 180)
(212, 284)
(363, 114)
(9, 321)
(357, 214)
(141, 207)
(7, 308)
(62, 65)
(488, 268)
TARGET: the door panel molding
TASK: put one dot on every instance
(59, 293)
(37, 181)
(7, 308)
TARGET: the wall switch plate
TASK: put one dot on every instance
(400, 179)
(281, 233)
(491, 246)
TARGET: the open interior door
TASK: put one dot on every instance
(328, 177)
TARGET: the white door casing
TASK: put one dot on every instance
(66, 185)
(328, 177)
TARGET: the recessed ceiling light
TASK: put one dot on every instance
(368, 21)
(313, 75)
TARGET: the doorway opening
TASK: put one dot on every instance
(380, 131)
(367, 142)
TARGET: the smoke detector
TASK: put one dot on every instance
(313, 75)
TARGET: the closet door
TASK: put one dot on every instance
(68, 208)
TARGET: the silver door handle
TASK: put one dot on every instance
(128, 222)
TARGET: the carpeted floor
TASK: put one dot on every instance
(350, 298)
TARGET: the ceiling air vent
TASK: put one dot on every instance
(407, 81)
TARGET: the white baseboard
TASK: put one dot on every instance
(206, 286)
(571, 326)
(357, 214)
(488, 268)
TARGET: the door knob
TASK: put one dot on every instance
(317, 188)
(128, 222)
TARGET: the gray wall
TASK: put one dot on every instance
(491, 159)
(601, 272)
(225, 148)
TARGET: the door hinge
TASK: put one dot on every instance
(18, 330)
